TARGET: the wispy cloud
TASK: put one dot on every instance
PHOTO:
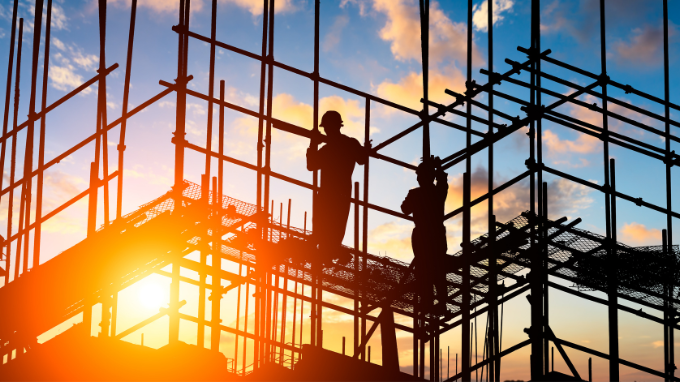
(643, 47)
(332, 39)
(67, 61)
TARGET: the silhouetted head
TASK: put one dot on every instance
(426, 172)
(331, 123)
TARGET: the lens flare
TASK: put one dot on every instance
(152, 296)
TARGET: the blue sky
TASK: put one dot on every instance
(373, 46)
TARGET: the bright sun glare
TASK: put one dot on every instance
(152, 296)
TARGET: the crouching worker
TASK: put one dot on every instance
(428, 239)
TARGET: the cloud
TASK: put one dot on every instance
(287, 108)
(157, 5)
(638, 234)
(59, 187)
(447, 44)
(333, 37)
(255, 7)
(359, 3)
(595, 118)
(447, 41)
(644, 47)
(392, 239)
(67, 59)
(584, 144)
(65, 79)
(581, 20)
(480, 17)
(409, 89)
(564, 197)
(59, 20)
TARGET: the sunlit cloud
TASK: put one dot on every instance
(255, 7)
(447, 40)
(165, 6)
(584, 144)
(480, 17)
(564, 197)
(409, 89)
(638, 234)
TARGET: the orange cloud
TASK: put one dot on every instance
(255, 7)
(409, 90)
(638, 234)
(392, 239)
(160, 5)
(287, 108)
(564, 198)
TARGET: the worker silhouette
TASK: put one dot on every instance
(428, 239)
(336, 160)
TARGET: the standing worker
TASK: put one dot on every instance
(428, 239)
(336, 160)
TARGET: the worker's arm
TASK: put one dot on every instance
(407, 204)
(442, 182)
(313, 159)
(362, 152)
(313, 154)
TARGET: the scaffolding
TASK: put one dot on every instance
(272, 257)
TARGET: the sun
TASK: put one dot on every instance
(152, 296)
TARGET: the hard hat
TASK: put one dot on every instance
(428, 165)
(331, 118)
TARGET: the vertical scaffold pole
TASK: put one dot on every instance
(8, 94)
(179, 141)
(12, 173)
(259, 202)
(536, 277)
(493, 306)
(465, 280)
(669, 204)
(41, 142)
(123, 123)
(610, 225)
(364, 225)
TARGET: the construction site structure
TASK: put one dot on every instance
(243, 249)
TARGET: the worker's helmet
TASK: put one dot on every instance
(331, 118)
(428, 166)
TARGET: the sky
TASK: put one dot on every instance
(373, 46)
